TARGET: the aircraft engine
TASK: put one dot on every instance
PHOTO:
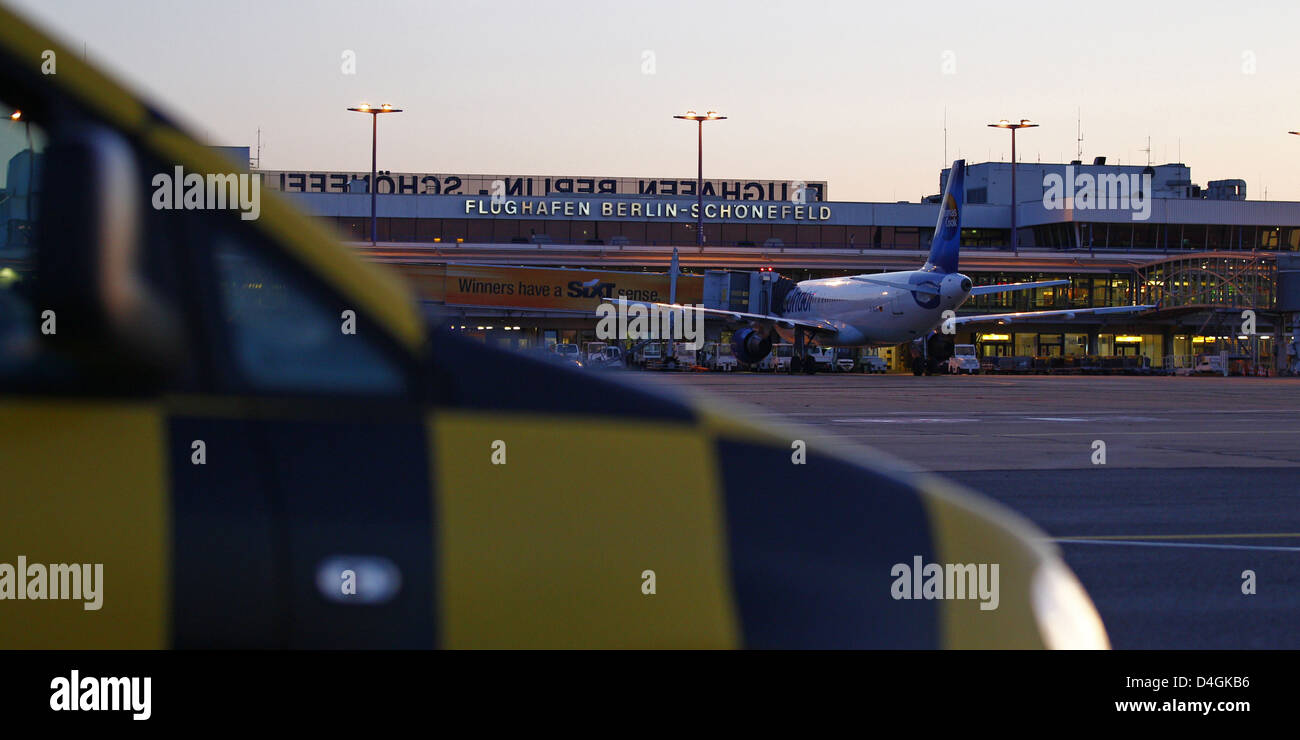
(749, 346)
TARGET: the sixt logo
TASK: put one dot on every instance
(590, 289)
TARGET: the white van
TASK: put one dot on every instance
(1211, 364)
(568, 352)
(963, 360)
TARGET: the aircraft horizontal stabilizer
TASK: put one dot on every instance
(927, 289)
(1067, 314)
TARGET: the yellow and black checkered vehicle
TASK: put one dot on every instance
(180, 402)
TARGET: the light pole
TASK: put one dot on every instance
(374, 141)
(1295, 323)
(699, 177)
(1013, 126)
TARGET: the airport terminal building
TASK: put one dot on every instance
(1202, 254)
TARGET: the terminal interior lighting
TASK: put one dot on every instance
(16, 115)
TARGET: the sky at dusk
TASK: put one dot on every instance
(853, 93)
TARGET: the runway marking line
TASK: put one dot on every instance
(1114, 434)
(1162, 540)
(1203, 545)
(1233, 536)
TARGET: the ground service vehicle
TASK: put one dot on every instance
(683, 356)
(964, 360)
(874, 364)
(1015, 364)
(610, 357)
(823, 358)
(230, 414)
(546, 355)
(782, 354)
(764, 365)
(650, 356)
(1211, 365)
(721, 357)
(593, 352)
(569, 352)
(844, 358)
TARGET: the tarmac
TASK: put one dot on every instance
(1200, 479)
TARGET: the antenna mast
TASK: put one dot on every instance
(1079, 135)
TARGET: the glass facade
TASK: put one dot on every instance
(1151, 236)
(1084, 291)
(1221, 282)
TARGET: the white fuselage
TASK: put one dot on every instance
(872, 314)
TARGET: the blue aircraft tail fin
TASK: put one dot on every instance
(947, 230)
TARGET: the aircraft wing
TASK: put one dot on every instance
(1007, 287)
(814, 325)
(1067, 313)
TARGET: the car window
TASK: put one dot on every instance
(284, 337)
(22, 147)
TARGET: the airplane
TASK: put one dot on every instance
(881, 309)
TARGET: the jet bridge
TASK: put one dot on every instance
(749, 291)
